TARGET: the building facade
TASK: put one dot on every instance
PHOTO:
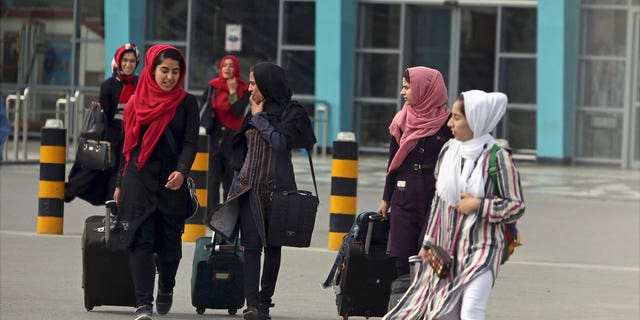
(570, 68)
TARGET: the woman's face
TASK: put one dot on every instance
(228, 69)
(458, 124)
(256, 95)
(406, 91)
(167, 74)
(128, 63)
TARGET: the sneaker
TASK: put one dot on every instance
(163, 302)
(250, 314)
(143, 312)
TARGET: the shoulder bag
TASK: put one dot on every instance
(292, 215)
(93, 152)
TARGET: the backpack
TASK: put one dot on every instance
(511, 234)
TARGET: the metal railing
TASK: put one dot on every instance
(19, 106)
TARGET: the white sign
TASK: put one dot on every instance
(233, 38)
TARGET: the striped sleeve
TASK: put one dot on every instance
(510, 207)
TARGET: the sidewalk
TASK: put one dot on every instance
(580, 258)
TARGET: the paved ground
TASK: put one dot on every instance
(580, 259)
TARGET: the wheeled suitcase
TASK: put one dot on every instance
(363, 279)
(106, 275)
(217, 280)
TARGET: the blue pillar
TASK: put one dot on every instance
(556, 69)
(123, 22)
(335, 46)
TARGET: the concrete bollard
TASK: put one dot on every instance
(53, 154)
(194, 227)
(344, 187)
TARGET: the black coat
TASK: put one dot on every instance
(142, 190)
(88, 184)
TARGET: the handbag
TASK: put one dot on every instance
(94, 122)
(439, 259)
(95, 154)
(206, 112)
(292, 215)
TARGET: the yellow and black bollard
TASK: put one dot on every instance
(53, 154)
(344, 187)
(194, 227)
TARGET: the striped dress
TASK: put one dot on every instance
(478, 248)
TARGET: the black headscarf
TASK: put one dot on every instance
(287, 116)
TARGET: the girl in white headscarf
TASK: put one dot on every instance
(466, 218)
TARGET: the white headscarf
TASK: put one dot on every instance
(483, 112)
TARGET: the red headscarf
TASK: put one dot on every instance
(220, 102)
(150, 106)
(425, 117)
(128, 81)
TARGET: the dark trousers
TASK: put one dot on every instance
(159, 234)
(220, 172)
(256, 290)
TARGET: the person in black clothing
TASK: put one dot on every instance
(418, 132)
(228, 96)
(161, 132)
(114, 94)
(262, 161)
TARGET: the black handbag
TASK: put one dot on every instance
(292, 216)
(206, 113)
(95, 154)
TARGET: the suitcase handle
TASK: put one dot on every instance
(110, 206)
(367, 242)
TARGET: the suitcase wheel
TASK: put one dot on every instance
(87, 304)
(200, 310)
(232, 311)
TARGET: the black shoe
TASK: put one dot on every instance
(263, 310)
(163, 302)
(250, 314)
(143, 312)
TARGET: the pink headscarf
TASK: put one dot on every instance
(422, 119)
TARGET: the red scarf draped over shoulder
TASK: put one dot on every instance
(422, 119)
(220, 102)
(150, 106)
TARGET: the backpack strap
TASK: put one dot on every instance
(493, 170)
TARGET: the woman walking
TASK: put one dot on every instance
(161, 131)
(466, 218)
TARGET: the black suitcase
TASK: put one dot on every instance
(106, 275)
(217, 280)
(363, 279)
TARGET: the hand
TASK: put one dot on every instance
(175, 181)
(468, 204)
(232, 84)
(383, 209)
(255, 105)
(116, 195)
(423, 253)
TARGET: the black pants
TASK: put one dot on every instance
(159, 234)
(220, 172)
(256, 290)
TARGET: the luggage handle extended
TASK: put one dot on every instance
(109, 205)
(367, 242)
(223, 247)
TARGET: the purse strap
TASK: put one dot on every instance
(313, 174)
